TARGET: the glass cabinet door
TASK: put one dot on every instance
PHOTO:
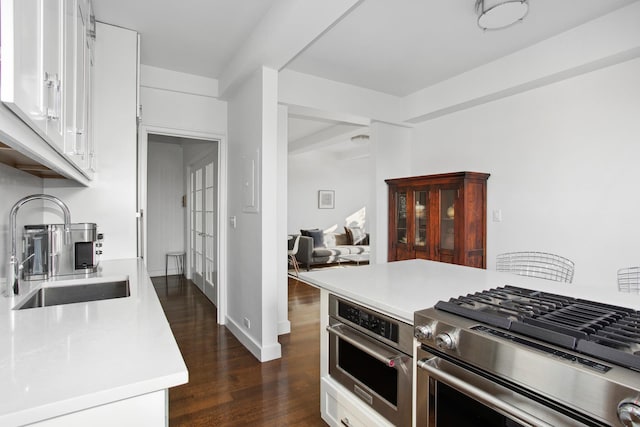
(420, 220)
(447, 215)
(401, 217)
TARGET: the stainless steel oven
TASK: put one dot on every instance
(517, 357)
(370, 355)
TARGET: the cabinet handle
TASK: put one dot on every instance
(52, 84)
(78, 147)
(57, 107)
(46, 95)
(345, 422)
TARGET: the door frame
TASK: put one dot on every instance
(221, 226)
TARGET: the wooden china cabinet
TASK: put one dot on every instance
(439, 217)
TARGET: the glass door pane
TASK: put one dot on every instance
(210, 252)
(420, 213)
(197, 227)
(447, 215)
(401, 217)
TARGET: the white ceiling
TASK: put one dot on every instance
(396, 47)
(191, 36)
(403, 46)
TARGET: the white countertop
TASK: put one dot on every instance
(400, 288)
(60, 359)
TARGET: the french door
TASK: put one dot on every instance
(203, 240)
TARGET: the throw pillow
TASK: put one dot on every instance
(317, 235)
(330, 240)
(356, 235)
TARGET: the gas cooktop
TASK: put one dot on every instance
(599, 330)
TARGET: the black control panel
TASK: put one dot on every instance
(552, 351)
(369, 321)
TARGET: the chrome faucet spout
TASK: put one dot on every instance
(14, 264)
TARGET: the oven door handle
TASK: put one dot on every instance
(367, 345)
(434, 367)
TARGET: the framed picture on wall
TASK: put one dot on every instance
(326, 199)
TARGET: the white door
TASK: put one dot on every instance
(203, 197)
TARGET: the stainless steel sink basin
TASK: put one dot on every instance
(56, 295)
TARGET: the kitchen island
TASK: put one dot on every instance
(107, 362)
(398, 289)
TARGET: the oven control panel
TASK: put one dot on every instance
(369, 321)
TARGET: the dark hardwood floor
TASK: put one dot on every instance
(227, 385)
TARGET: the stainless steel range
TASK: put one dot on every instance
(511, 356)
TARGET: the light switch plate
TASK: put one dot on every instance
(497, 215)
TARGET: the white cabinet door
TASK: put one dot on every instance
(22, 87)
(89, 41)
(53, 51)
(77, 71)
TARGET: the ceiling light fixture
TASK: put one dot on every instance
(498, 14)
(360, 139)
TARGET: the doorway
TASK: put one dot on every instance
(180, 185)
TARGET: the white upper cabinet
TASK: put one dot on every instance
(53, 56)
(79, 33)
(23, 88)
(46, 72)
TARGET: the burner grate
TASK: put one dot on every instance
(600, 330)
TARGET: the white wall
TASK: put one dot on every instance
(252, 282)
(391, 151)
(564, 169)
(181, 101)
(110, 200)
(313, 171)
(165, 213)
(14, 185)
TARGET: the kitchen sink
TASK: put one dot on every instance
(82, 292)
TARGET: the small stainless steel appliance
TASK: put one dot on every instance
(47, 255)
(517, 357)
(370, 355)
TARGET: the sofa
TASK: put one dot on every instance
(314, 250)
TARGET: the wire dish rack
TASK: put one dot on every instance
(629, 279)
(537, 264)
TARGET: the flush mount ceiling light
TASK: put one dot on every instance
(360, 139)
(498, 14)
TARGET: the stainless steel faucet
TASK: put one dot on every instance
(14, 264)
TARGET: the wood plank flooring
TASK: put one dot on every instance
(227, 385)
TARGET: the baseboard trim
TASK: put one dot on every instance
(263, 354)
(158, 273)
(284, 327)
